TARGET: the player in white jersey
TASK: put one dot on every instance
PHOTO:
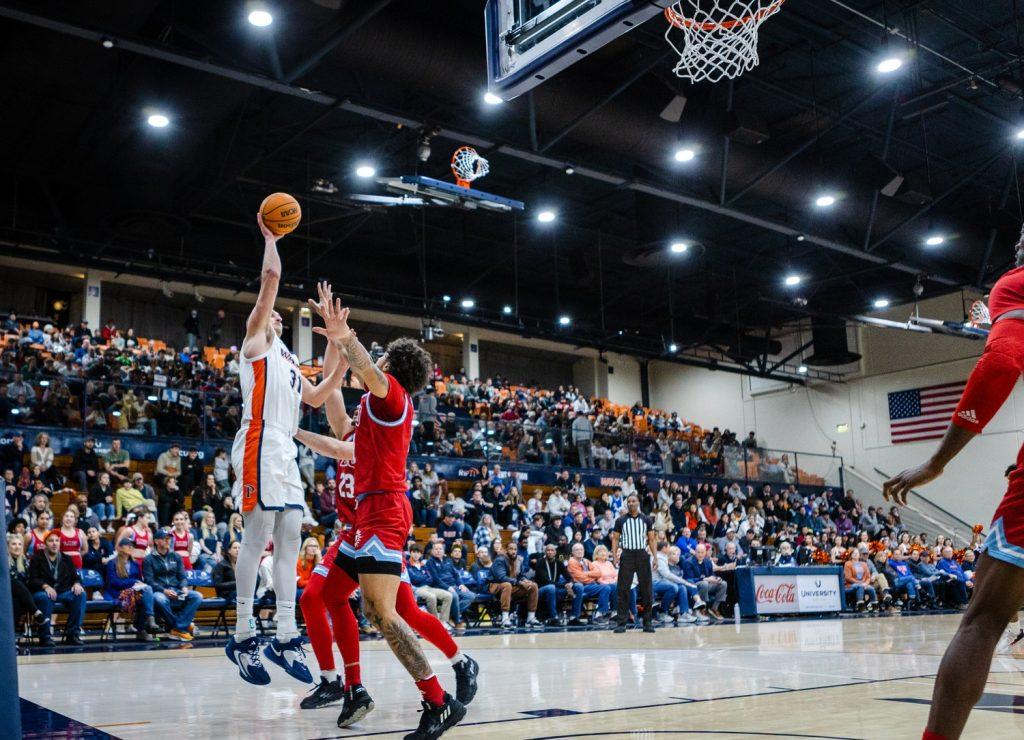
(267, 481)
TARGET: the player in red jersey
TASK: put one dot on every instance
(383, 514)
(336, 578)
(999, 580)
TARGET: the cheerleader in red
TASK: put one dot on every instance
(182, 539)
(999, 580)
(72, 539)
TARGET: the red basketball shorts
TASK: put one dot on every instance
(1005, 539)
(382, 528)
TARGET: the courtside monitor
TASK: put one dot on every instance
(529, 42)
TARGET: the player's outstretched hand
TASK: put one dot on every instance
(896, 488)
(335, 317)
(268, 235)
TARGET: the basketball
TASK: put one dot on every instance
(281, 213)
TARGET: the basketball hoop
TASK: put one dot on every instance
(467, 166)
(719, 37)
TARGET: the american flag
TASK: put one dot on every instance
(922, 413)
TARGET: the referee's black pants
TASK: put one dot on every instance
(638, 562)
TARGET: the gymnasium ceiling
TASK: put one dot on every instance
(335, 82)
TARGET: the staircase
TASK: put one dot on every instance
(919, 515)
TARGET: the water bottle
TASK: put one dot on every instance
(736, 613)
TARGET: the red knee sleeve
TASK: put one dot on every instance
(426, 624)
(319, 630)
(988, 387)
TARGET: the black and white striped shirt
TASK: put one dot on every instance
(633, 531)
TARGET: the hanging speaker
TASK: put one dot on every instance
(830, 347)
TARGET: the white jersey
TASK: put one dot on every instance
(272, 389)
(263, 455)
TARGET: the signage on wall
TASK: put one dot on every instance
(791, 594)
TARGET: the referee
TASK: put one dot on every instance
(634, 544)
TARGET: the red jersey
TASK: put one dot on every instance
(71, 545)
(183, 546)
(345, 491)
(35, 543)
(1007, 294)
(383, 433)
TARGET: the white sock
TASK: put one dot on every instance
(245, 625)
(504, 617)
(457, 658)
(329, 676)
(1014, 626)
(531, 616)
(286, 628)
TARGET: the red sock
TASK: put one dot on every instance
(346, 630)
(315, 614)
(431, 689)
(426, 624)
(928, 735)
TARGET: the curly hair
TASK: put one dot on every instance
(409, 363)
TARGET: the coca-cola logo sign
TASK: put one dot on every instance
(781, 593)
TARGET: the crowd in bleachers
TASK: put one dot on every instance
(480, 548)
(111, 380)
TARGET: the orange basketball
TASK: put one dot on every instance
(281, 213)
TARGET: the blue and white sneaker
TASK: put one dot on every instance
(246, 655)
(291, 656)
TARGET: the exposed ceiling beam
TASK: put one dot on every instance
(612, 179)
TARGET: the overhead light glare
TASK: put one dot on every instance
(467, 303)
(881, 303)
(158, 120)
(889, 65)
(792, 280)
(684, 155)
(935, 240)
(564, 320)
(492, 99)
(802, 369)
(678, 247)
(365, 170)
(260, 18)
(825, 201)
(546, 217)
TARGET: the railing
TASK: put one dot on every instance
(98, 406)
(524, 442)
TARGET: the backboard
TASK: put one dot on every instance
(529, 41)
(426, 191)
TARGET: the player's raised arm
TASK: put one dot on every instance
(337, 415)
(327, 446)
(257, 326)
(336, 329)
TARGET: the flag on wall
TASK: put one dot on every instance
(922, 413)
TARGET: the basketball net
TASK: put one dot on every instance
(716, 39)
(979, 315)
(467, 166)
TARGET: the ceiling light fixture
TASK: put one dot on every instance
(825, 200)
(678, 247)
(260, 18)
(467, 303)
(507, 310)
(802, 369)
(366, 170)
(935, 240)
(158, 120)
(881, 303)
(889, 65)
(684, 155)
(792, 280)
(546, 216)
(564, 320)
(492, 99)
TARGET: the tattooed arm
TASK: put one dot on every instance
(336, 329)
